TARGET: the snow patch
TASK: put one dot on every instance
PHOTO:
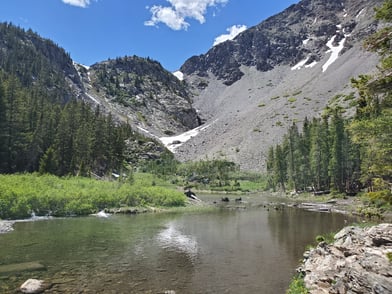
(305, 42)
(93, 98)
(311, 64)
(334, 51)
(300, 64)
(179, 75)
(359, 14)
(147, 132)
(173, 142)
(85, 66)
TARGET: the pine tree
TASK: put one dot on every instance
(280, 167)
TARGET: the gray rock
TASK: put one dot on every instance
(354, 263)
(6, 226)
(33, 286)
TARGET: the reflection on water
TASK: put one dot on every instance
(247, 251)
(171, 237)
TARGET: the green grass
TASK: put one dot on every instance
(22, 194)
(328, 238)
(389, 256)
(292, 99)
(297, 286)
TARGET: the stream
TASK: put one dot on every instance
(252, 250)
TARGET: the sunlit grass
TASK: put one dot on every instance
(22, 194)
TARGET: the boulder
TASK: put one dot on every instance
(6, 226)
(358, 261)
(33, 286)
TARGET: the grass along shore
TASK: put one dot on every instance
(23, 194)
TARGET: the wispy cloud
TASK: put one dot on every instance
(175, 15)
(233, 32)
(78, 3)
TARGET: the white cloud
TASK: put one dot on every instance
(79, 3)
(233, 32)
(175, 15)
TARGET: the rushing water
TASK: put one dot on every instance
(226, 251)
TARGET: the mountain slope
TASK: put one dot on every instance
(250, 89)
(141, 92)
(134, 89)
(41, 95)
(38, 61)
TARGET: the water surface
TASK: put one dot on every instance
(226, 251)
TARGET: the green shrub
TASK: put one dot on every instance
(389, 256)
(297, 286)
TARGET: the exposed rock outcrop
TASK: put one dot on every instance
(359, 261)
(299, 32)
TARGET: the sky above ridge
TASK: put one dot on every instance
(169, 31)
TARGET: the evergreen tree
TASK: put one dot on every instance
(337, 162)
(371, 128)
(280, 167)
(270, 168)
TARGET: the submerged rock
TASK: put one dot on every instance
(359, 261)
(33, 286)
(21, 267)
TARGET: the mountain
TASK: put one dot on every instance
(134, 89)
(288, 67)
(140, 91)
(54, 113)
(38, 61)
(238, 99)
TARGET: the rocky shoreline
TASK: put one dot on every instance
(358, 261)
(6, 226)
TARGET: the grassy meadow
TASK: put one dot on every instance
(22, 194)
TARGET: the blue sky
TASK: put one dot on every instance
(169, 31)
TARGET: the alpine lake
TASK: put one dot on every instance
(250, 247)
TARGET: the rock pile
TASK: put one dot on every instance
(359, 261)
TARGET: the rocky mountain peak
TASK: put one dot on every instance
(299, 32)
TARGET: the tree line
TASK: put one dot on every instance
(321, 157)
(344, 154)
(37, 134)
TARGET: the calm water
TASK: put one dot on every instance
(228, 251)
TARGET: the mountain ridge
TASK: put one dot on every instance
(288, 67)
(245, 92)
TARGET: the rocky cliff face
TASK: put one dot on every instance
(290, 66)
(301, 32)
